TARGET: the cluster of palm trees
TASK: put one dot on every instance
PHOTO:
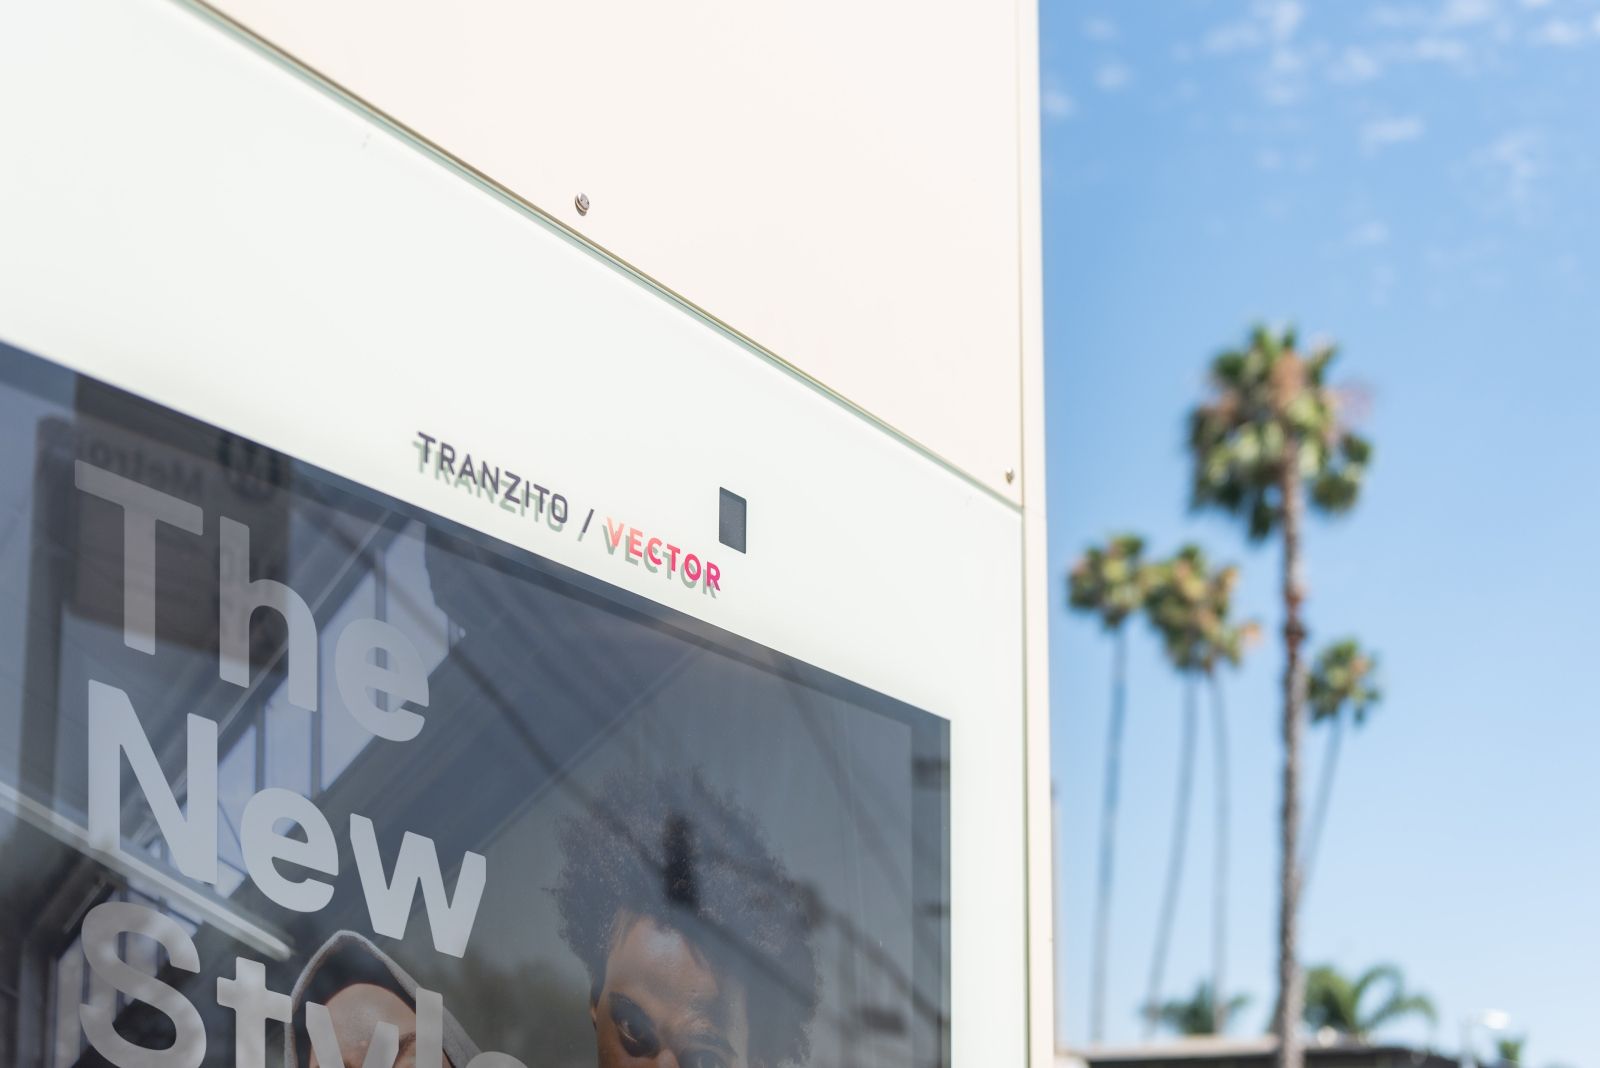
(1270, 440)
(1189, 604)
(1351, 1007)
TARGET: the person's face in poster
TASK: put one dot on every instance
(664, 1004)
(365, 995)
(357, 1010)
(696, 939)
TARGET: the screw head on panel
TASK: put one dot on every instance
(581, 202)
(1011, 475)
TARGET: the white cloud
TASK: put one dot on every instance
(1560, 33)
(1369, 235)
(1270, 23)
(1515, 158)
(1113, 76)
(1100, 29)
(1441, 50)
(1284, 79)
(1283, 17)
(1354, 66)
(1233, 37)
(1288, 53)
(1381, 133)
(1467, 12)
(1057, 104)
(1272, 26)
(1391, 17)
(1455, 32)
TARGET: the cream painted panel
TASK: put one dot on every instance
(837, 180)
(182, 218)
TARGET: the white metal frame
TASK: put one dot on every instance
(191, 221)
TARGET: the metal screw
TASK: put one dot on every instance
(581, 202)
(1011, 474)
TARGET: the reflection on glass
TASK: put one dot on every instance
(690, 844)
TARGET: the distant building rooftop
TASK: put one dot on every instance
(1224, 1052)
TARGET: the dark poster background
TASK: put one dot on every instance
(544, 685)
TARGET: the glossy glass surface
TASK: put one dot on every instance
(690, 844)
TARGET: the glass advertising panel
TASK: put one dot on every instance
(292, 774)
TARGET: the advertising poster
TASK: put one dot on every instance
(296, 775)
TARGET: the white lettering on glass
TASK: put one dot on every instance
(264, 847)
(253, 1005)
(239, 597)
(114, 730)
(389, 902)
(404, 678)
(142, 509)
(102, 928)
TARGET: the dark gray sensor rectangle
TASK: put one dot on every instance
(730, 520)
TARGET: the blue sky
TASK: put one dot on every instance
(1419, 181)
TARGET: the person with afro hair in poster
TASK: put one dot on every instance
(696, 940)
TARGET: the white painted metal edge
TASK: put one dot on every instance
(334, 89)
(1037, 583)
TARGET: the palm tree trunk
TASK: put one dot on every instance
(1291, 992)
(1108, 836)
(1180, 837)
(1319, 814)
(1219, 873)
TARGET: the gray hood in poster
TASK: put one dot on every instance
(348, 957)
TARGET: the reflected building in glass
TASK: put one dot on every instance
(691, 842)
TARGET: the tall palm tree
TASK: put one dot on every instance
(1201, 1013)
(1227, 648)
(1343, 676)
(1110, 582)
(1270, 433)
(1189, 604)
(1344, 1005)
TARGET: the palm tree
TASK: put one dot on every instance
(1271, 430)
(1111, 583)
(1509, 1049)
(1340, 1004)
(1343, 676)
(1228, 647)
(1189, 605)
(1201, 1013)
